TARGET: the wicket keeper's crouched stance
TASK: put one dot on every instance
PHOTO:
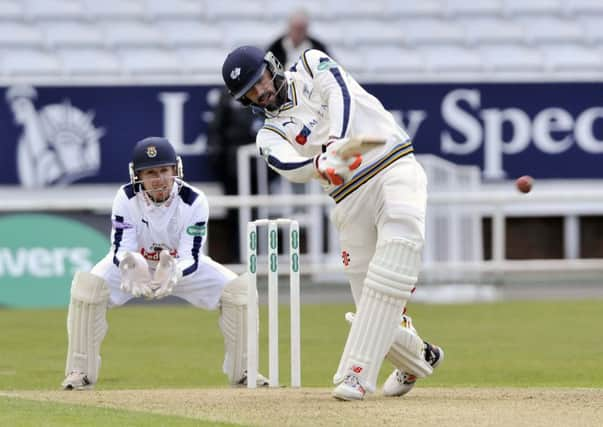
(159, 228)
(312, 112)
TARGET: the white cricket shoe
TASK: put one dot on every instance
(400, 383)
(261, 380)
(77, 380)
(349, 389)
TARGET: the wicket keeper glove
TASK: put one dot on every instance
(166, 275)
(135, 276)
(333, 167)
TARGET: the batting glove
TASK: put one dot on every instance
(333, 167)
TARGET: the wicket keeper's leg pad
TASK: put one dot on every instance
(233, 323)
(86, 324)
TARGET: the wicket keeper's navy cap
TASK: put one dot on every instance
(242, 69)
(153, 152)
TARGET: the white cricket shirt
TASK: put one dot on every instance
(178, 225)
(324, 101)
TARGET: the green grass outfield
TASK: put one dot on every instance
(509, 344)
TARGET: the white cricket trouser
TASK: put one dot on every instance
(390, 205)
(202, 288)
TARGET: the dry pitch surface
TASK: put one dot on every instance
(288, 407)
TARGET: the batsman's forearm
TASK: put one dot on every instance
(300, 171)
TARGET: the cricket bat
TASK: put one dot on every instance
(360, 145)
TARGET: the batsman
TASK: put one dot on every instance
(159, 226)
(321, 124)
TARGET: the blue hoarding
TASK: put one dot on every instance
(59, 135)
(548, 130)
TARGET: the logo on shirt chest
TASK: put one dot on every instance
(302, 137)
(152, 253)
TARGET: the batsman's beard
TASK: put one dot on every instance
(279, 97)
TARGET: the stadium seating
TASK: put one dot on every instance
(512, 58)
(488, 31)
(452, 58)
(175, 9)
(153, 60)
(32, 62)
(594, 29)
(531, 7)
(54, 9)
(419, 32)
(569, 57)
(11, 10)
(72, 34)
(585, 7)
(115, 9)
(16, 34)
(410, 10)
(90, 61)
(189, 33)
(474, 8)
(379, 40)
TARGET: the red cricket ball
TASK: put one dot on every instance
(524, 183)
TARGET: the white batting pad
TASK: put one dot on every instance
(233, 323)
(86, 324)
(394, 268)
(390, 279)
